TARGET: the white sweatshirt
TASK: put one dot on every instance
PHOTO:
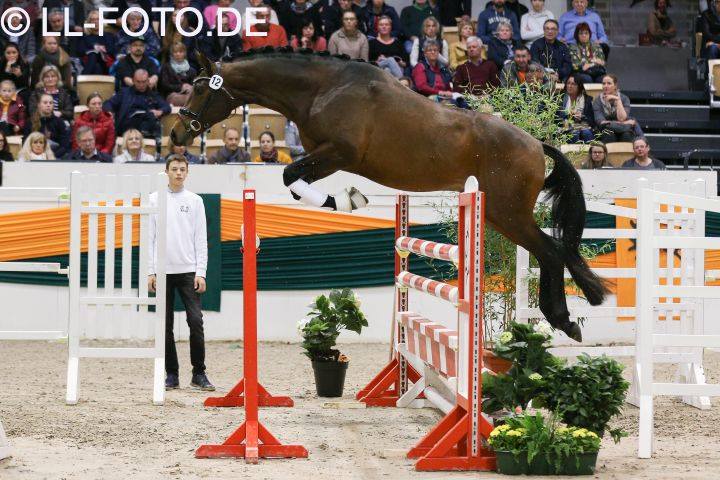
(186, 234)
(531, 25)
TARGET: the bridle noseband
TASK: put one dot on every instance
(215, 83)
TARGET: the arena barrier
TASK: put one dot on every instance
(424, 349)
(25, 195)
(689, 360)
(4, 445)
(661, 231)
(94, 196)
(252, 440)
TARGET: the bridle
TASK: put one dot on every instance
(215, 84)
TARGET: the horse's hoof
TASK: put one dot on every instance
(573, 331)
(343, 203)
(357, 199)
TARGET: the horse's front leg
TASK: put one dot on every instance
(316, 165)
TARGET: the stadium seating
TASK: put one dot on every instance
(87, 84)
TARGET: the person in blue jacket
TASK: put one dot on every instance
(138, 107)
(489, 18)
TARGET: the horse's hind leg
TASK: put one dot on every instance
(314, 166)
(549, 255)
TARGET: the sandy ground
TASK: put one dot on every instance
(115, 431)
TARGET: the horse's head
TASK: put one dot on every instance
(209, 103)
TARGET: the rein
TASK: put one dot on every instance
(215, 83)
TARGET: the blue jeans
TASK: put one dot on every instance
(584, 135)
(713, 52)
(391, 65)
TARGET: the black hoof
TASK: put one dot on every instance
(573, 331)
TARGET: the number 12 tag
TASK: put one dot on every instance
(216, 82)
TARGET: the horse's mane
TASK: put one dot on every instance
(289, 52)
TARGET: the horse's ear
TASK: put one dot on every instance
(204, 63)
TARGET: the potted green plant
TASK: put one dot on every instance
(586, 394)
(331, 314)
(533, 444)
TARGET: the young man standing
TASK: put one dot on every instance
(186, 265)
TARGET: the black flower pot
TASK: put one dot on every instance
(329, 378)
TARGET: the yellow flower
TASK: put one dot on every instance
(495, 433)
(563, 430)
(514, 433)
(592, 434)
(578, 433)
(503, 427)
(522, 430)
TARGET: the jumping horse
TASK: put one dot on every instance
(355, 117)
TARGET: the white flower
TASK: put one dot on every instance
(301, 325)
(535, 377)
(544, 328)
(356, 301)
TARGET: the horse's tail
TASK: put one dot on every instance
(568, 216)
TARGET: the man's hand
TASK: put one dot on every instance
(152, 81)
(151, 282)
(157, 113)
(200, 286)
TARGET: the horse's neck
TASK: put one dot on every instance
(279, 84)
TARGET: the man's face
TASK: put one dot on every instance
(522, 58)
(87, 143)
(232, 140)
(474, 50)
(551, 31)
(177, 173)
(640, 148)
(345, 4)
(56, 22)
(140, 81)
(580, 6)
(137, 49)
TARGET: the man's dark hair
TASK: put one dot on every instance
(176, 158)
(550, 20)
(520, 48)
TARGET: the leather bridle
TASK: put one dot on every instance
(215, 84)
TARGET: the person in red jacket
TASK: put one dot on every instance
(12, 109)
(276, 35)
(101, 123)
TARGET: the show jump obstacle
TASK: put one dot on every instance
(111, 196)
(251, 440)
(423, 348)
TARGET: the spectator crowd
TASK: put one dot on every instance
(508, 44)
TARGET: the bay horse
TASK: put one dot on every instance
(355, 117)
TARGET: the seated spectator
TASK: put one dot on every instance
(124, 41)
(26, 42)
(14, 68)
(35, 147)
(661, 29)
(292, 140)
(131, 149)
(96, 52)
(332, 16)
(100, 122)
(268, 152)
(577, 111)
(231, 151)
(515, 72)
(597, 157)
(136, 60)
(641, 159)
(276, 35)
(55, 129)
(503, 47)
(552, 53)
(475, 75)
(173, 36)
(224, 49)
(56, 24)
(430, 76)
(138, 107)
(430, 31)
(210, 14)
(373, 10)
(308, 37)
(458, 50)
(536, 80)
(710, 28)
(349, 40)
(5, 154)
(12, 110)
(63, 104)
(182, 151)
(76, 12)
(260, 3)
(387, 50)
(490, 18)
(87, 151)
(412, 19)
(612, 113)
(588, 58)
(532, 23)
(176, 77)
(294, 14)
(52, 54)
(579, 14)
